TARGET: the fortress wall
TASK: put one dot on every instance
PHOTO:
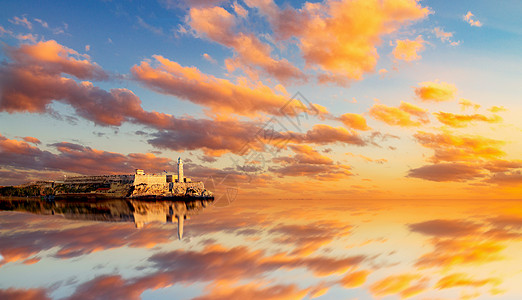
(186, 185)
(150, 179)
(99, 179)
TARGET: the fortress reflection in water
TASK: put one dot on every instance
(112, 210)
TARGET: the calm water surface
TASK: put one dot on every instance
(262, 249)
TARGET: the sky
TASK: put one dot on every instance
(366, 99)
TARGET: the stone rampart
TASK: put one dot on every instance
(150, 179)
(99, 179)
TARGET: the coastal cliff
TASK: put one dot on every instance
(113, 186)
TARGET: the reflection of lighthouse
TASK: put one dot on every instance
(180, 170)
(181, 219)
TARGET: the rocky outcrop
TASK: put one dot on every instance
(171, 189)
(99, 187)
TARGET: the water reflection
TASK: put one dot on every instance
(286, 249)
(111, 210)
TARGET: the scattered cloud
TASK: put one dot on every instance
(406, 285)
(27, 37)
(465, 104)
(443, 172)
(322, 134)
(354, 279)
(464, 280)
(469, 18)
(240, 10)
(365, 158)
(453, 148)
(26, 294)
(4, 31)
(30, 139)
(76, 158)
(400, 116)
(512, 178)
(309, 162)
(436, 91)
(153, 29)
(445, 37)
(254, 291)
(408, 50)
(209, 58)
(459, 121)
(466, 157)
(496, 109)
(42, 22)
(22, 21)
(354, 121)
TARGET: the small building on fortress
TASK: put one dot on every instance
(140, 184)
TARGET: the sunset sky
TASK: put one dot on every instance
(393, 99)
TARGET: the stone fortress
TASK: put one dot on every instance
(138, 185)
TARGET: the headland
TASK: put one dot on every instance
(139, 185)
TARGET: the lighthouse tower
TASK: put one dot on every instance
(180, 170)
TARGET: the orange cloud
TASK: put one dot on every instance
(435, 91)
(209, 58)
(76, 158)
(368, 159)
(513, 178)
(220, 95)
(452, 148)
(307, 155)
(470, 20)
(460, 279)
(33, 81)
(355, 121)
(240, 10)
(442, 35)
(455, 120)
(255, 291)
(406, 286)
(443, 172)
(26, 294)
(322, 134)
(354, 279)
(346, 52)
(465, 103)
(55, 58)
(408, 50)
(496, 109)
(400, 116)
(319, 171)
(31, 139)
(218, 24)
(466, 157)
